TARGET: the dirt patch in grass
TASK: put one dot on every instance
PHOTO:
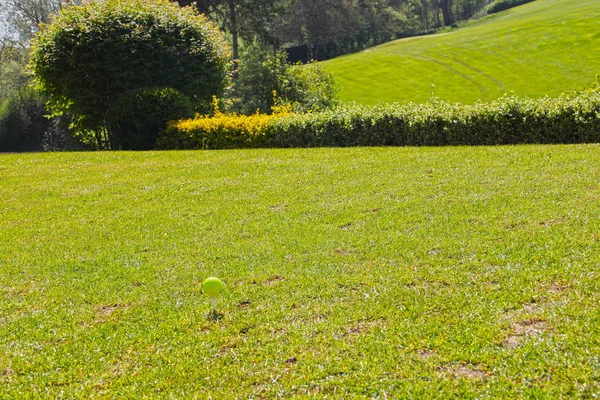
(532, 308)
(525, 324)
(104, 312)
(26, 289)
(530, 327)
(428, 284)
(558, 287)
(273, 280)
(353, 287)
(522, 330)
(513, 341)
(278, 207)
(526, 310)
(280, 331)
(109, 309)
(243, 304)
(362, 327)
(342, 252)
(467, 371)
(424, 354)
(226, 350)
(5, 376)
(551, 222)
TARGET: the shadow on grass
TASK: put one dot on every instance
(214, 316)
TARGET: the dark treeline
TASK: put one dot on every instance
(322, 29)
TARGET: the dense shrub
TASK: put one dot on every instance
(23, 122)
(261, 73)
(508, 120)
(221, 131)
(501, 5)
(26, 126)
(309, 88)
(91, 55)
(135, 120)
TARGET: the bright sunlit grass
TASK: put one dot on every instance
(366, 272)
(541, 48)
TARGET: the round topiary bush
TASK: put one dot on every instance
(135, 120)
(89, 56)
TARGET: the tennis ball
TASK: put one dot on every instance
(212, 286)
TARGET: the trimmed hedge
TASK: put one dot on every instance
(223, 131)
(508, 120)
(502, 5)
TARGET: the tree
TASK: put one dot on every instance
(12, 74)
(25, 16)
(23, 125)
(316, 23)
(446, 6)
(91, 55)
(247, 19)
(380, 22)
(266, 80)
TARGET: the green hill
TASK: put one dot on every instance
(541, 48)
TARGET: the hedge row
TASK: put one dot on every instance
(508, 120)
(501, 5)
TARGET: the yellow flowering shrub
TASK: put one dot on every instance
(220, 131)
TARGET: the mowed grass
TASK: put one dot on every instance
(542, 48)
(350, 273)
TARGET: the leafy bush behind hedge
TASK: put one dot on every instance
(502, 5)
(508, 120)
(306, 87)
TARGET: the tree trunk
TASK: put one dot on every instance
(425, 14)
(234, 33)
(445, 5)
(202, 6)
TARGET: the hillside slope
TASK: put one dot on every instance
(541, 48)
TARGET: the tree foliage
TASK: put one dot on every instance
(24, 17)
(266, 80)
(23, 125)
(327, 28)
(91, 55)
(247, 19)
(12, 73)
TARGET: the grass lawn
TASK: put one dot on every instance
(542, 48)
(365, 272)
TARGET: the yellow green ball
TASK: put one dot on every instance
(212, 286)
